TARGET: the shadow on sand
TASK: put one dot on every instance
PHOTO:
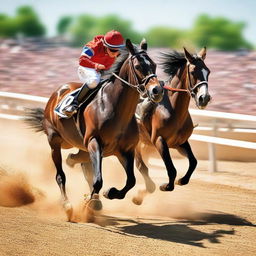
(181, 231)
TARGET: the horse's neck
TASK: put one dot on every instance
(124, 97)
(127, 102)
(180, 100)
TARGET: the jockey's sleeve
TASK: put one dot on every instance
(85, 58)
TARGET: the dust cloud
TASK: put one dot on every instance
(27, 177)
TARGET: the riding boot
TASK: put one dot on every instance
(69, 106)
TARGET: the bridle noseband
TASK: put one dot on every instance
(140, 87)
(192, 89)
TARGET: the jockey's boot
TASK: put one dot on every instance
(71, 102)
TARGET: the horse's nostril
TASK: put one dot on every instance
(155, 91)
(201, 99)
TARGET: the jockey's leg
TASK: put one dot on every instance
(72, 101)
(90, 79)
(77, 98)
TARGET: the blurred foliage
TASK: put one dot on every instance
(8, 27)
(63, 24)
(166, 37)
(85, 27)
(219, 33)
(26, 23)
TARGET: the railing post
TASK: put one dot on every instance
(212, 149)
(212, 157)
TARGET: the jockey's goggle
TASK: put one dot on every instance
(113, 50)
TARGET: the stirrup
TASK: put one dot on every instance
(70, 110)
(68, 106)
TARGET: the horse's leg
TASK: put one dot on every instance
(95, 151)
(55, 143)
(127, 161)
(163, 149)
(79, 157)
(185, 150)
(93, 203)
(88, 174)
(143, 169)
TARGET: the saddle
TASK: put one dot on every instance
(69, 98)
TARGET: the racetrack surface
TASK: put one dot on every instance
(213, 215)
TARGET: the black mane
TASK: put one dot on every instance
(116, 66)
(172, 61)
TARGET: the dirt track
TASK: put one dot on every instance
(213, 215)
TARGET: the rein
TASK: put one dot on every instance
(138, 86)
(145, 81)
(191, 89)
(175, 89)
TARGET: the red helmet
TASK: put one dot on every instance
(113, 39)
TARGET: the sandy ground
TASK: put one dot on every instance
(213, 215)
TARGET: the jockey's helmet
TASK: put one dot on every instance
(113, 39)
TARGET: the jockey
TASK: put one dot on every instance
(98, 54)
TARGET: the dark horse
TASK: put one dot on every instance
(106, 126)
(168, 124)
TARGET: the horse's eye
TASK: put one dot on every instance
(137, 66)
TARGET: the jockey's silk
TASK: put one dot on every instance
(87, 52)
(95, 53)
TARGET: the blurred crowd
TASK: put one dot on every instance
(38, 69)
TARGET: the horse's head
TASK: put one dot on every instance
(142, 72)
(198, 74)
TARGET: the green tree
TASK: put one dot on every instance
(8, 27)
(86, 27)
(161, 36)
(111, 22)
(28, 22)
(81, 30)
(219, 33)
(64, 24)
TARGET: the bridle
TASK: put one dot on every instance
(191, 89)
(140, 87)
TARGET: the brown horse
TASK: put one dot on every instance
(106, 126)
(168, 124)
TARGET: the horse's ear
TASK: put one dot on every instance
(202, 53)
(188, 56)
(130, 46)
(144, 44)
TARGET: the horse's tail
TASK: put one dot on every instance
(34, 118)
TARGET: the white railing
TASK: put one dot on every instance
(221, 120)
(15, 103)
(12, 106)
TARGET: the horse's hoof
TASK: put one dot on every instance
(111, 193)
(69, 161)
(94, 203)
(151, 188)
(166, 187)
(182, 182)
(137, 200)
(68, 209)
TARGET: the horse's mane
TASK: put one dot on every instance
(172, 61)
(116, 66)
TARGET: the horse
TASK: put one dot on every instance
(106, 126)
(168, 124)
